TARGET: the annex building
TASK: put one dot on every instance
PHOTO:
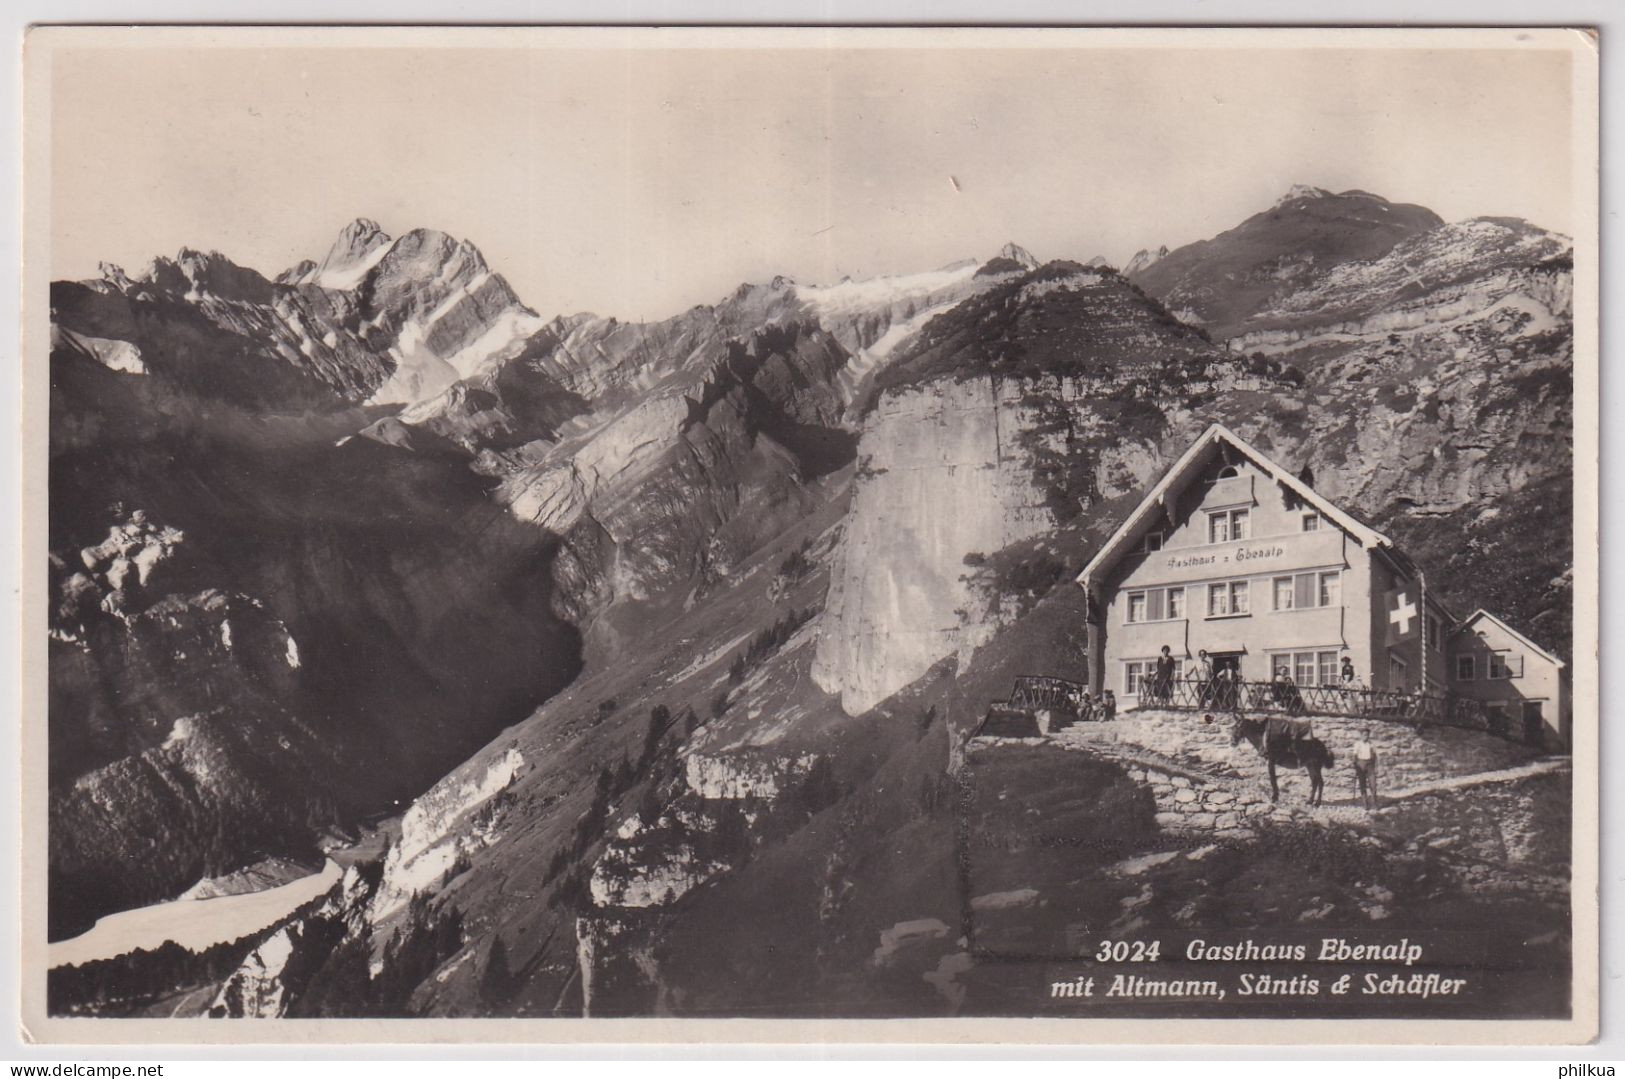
(1232, 553)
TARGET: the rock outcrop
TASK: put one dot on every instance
(942, 475)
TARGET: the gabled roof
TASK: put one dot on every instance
(1188, 467)
(1520, 638)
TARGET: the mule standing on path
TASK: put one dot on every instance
(1286, 743)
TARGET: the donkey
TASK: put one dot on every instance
(1287, 743)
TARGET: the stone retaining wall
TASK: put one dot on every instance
(1406, 756)
(1196, 804)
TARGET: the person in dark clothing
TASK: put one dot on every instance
(1162, 682)
(1286, 694)
(1108, 706)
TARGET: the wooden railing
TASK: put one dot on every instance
(1033, 692)
(1251, 698)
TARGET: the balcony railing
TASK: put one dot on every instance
(1255, 698)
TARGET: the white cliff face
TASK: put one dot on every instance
(255, 990)
(942, 474)
(1144, 259)
(733, 776)
(612, 455)
(620, 881)
(431, 837)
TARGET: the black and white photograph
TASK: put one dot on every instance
(529, 528)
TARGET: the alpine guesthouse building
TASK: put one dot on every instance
(1231, 553)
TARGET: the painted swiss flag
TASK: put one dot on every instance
(1404, 614)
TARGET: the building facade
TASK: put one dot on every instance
(1232, 554)
(1524, 687)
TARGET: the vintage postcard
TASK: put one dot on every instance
(802, 534)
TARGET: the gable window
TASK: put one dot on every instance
(1225, 526)
(1324, 589)
(1152, 542)
(1311, 522)
(1226, 598)
(1504, 664)
(1466, 670)
(1229, 472)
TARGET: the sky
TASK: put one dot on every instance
(636, 181)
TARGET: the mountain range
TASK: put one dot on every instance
(663, 635)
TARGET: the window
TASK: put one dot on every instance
(1229, 472)
(1137, 672)
(1306, 668)
(1227, 525)
(1155, 605)
(1465, 671)
(1331, 588)
(1311, 522)
(1309, 590)
(1435, 633)
(1226, 598)
(1176, 603)
(1152, 542)
(1505, 664)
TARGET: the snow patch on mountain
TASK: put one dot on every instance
(121, 356)
(348, 277)
(1144, 259)
(1302, 191)
(849, 296)
(1017, 253)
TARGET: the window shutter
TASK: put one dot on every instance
(1156, 604)
(1515, 663)
(1304, 590)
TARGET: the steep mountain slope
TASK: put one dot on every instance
(268, 573)
(1220, 282)
(664, 453)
